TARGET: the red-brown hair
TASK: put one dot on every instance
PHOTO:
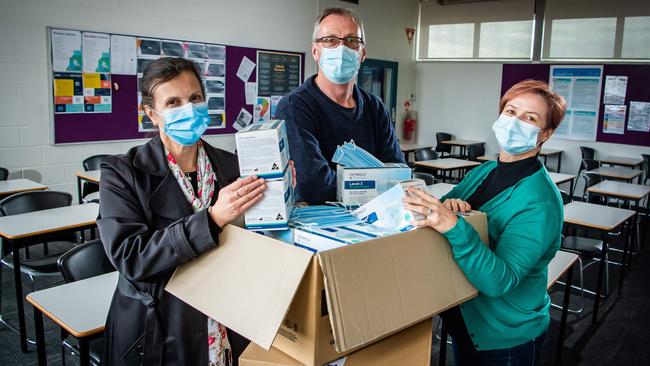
(555, 102)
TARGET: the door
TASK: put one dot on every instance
(379, 77)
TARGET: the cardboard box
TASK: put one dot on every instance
(356, 186)
(318, 307)
(273, 210)
(387, 210)
(411, 347)
(262, 149)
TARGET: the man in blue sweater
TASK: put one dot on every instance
(329, 109)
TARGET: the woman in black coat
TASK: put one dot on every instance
(161, 207)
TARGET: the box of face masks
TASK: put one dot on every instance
(321, 239)
(273, 210)
(263, 150)
(320, 306)
(387, 210)
(356, 186)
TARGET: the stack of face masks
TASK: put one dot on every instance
(322, 216)
(351, 156)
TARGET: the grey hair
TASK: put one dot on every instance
(338, 11)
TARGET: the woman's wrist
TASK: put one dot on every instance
(215, 218)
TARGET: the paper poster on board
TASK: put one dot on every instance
(68, 93)
(615, 89)
(96, 50)
(614, 119)
(580, 86)
(123, 55)
(639, 118)
(97, 93)
(66, 50)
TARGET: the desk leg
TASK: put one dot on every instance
(84, 352)
(627, 249)
(565, 311)
(79, 190)
(442, 356)
(18, 283)
(645, 223)
(559, 162)
(40, 337)
(599, 285)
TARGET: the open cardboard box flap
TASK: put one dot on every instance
(251, 282)
(384, 285)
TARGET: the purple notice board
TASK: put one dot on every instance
(638, 89)
(122, 123)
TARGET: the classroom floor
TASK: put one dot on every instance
(620, 339)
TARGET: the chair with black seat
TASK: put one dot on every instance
(425, 154)
(39, 266)
(440, 147)
(428, 179)
(588, 250)
(92, 163)
(587, 165)
(84, 261)
(4, 173)
(591, 179)
(474, 151)
(587, 152)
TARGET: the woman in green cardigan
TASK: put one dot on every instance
(507, 322)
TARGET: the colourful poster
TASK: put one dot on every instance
(97, 93)
(68, 93)
(96, 49)
(66, 50)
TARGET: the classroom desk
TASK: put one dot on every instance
(559, 178)
(440, 189)
(462, 144)
(35, 227)
(625, 191)
(562, 264)
(545, 153)
(485, 158)
(80, 308)
(408, 149)
(604, 219)
(11, 186)
(622, 161)
(625, 174)
(447, 165)
(91, 176)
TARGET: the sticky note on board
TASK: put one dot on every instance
(63, 87)
(92, 81)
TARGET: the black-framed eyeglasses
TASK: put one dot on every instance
(334, 41)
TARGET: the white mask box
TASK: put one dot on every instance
(273, 210)
(357, 186)
(263, 150)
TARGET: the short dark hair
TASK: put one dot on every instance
(162, 70)
(338, 11)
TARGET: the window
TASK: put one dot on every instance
(636, 38)
(583, 38)
(451, 40)
(506, 39)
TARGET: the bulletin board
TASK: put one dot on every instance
(637, 90)
(108, 108)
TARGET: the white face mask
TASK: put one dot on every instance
(514, 135)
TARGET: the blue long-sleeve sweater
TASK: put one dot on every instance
(316, 125)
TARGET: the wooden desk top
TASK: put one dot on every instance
(559, 265)
(12, 186)
(462, 142)
(91, 175)
(78, 307)
(549, 152)
(46, 221)
(595, 216)
(487, 157)
(447, 163)
(621, 160)
(440, 189)
(617, 173)
(559, 178)
(620, 189)
(408, 147)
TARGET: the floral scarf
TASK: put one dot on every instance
(219, 352)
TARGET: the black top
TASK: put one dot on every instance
(504, 176)
(316, 125)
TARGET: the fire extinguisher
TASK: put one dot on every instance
(410, 122)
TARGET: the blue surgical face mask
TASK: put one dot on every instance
(340, 65)
(514, 135)
(352, 156)
(186, 124)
